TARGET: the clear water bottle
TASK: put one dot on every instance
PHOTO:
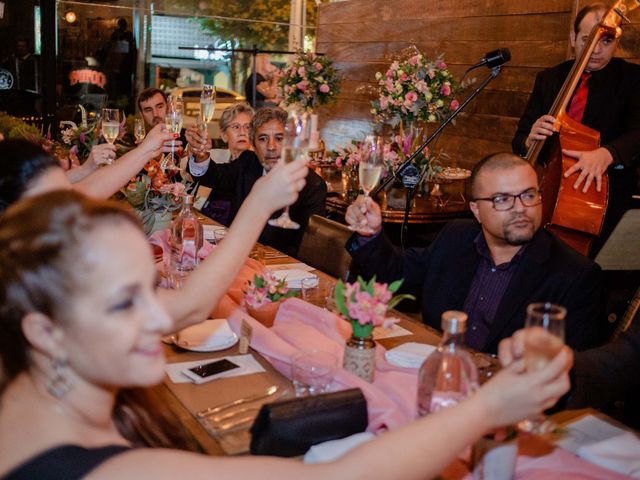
(448, 375)
(186, 240)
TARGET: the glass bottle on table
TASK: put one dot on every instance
(449, 374)
(295, 145)
(187, 237)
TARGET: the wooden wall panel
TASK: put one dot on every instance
(361, 36)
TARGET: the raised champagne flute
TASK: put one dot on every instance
(207, 103)
(543, 340)
(110, 124)
(297, 132)
(369, 170)
(139, 131)
(173, 119)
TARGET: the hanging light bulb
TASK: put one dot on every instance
(70, 16)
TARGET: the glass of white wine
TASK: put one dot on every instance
(297, 132)
(110, 124)
(207, 103)
(173, 119)
(139, 131)
(543, 340)
(369, 170)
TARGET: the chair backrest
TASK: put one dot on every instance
(323, 248)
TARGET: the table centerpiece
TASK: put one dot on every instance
(365, 306)
(263, 296)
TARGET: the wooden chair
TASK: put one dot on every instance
(322, 246)
(631, 314)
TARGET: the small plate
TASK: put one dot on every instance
(198, 347)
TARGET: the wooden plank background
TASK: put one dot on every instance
(361, 36)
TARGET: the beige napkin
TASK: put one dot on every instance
(207, 335)
(410, 354)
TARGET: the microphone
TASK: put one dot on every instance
(494, 58)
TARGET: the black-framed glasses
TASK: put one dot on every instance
(506, 201)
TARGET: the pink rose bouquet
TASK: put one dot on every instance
(365, 304)
(264, 289)
(310, 80)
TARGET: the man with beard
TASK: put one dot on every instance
(232, 182)
(491, 267)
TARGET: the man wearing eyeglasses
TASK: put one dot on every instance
(491, 267)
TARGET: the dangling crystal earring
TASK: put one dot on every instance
(61, 383)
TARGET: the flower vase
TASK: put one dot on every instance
(360, 352)
(266, 314)
(350, 184)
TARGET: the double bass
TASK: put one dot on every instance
(574, 216)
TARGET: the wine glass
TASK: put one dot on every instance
(173, 118)
(295, 145)
(139, 131)
(207, 103)
(369, 170)
(110, 124)
(543, 340)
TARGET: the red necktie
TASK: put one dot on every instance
(579, 100)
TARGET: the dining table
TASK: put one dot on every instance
(228, 433)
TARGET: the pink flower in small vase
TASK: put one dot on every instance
(324, 88)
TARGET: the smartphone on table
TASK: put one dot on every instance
(209, 371)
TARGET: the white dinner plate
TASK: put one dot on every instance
(199, 347)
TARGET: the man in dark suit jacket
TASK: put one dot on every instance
(492, 268)
(232, 182)
(612, 108)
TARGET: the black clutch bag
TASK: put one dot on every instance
(290, 427)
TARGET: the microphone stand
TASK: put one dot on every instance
(495, 71)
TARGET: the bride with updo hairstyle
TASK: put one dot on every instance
(80, 319)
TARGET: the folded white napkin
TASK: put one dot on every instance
(294, 277)
(410, 355)
(208, 335)
(247, 363)
(333, 449)
(620, 454)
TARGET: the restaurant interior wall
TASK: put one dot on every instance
(362, 35)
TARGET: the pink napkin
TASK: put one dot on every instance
(391, 398)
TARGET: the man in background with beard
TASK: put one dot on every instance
(491, 267)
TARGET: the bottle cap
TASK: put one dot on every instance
(188, 199)
(454, 321)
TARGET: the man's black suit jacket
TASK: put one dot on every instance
(441, 276)
(233, 181)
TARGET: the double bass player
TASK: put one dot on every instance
(607, 99)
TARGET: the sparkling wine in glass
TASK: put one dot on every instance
(138, 129)
(369, 169)
(297, 132)
(110, 124)
(207, 103)
(173, 118)
(544, 339)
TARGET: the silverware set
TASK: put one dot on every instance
(230, 420)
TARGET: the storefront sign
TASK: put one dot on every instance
(85, 75)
